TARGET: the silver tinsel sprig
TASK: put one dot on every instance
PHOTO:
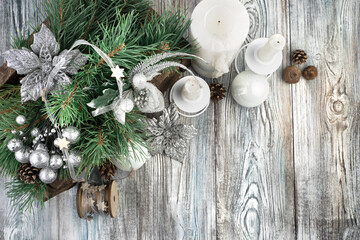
(38, 64)
(168, 135)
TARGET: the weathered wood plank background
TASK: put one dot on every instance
(286, 170)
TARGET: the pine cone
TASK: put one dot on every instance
(299, 56)
(107, 171)
(27, 173)
(217, 92)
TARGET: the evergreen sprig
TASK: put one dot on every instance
(128, 31)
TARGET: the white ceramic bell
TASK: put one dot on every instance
(250, 89)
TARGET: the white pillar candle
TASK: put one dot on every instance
(191, 89)
(274, 45)
(218, 29)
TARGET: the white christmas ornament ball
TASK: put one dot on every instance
(135, 160)
(20, 120)
(23, 155)
(39, 158)
(127, 105)
(47, 175)
(74, 158)
(72, 134)
(15, 145)
(56, 161)
(250, 89)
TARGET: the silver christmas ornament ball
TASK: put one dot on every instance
(39, 158)
(74, 158)
(127, 105)
(35, 132)
(41, 146)
(56, 162)
(15, 145)
(72, 134)
(20, 120)
(47, 175)
(23, 155)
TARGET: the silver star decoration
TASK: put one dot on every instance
(38, 64)
(168, 135)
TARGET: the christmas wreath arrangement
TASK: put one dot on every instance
(86, 80)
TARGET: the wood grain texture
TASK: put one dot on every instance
(288, 169)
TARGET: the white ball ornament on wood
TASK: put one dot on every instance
(135, 160)
(72, 134)
(56, 161)
(20, 120)
(23, 155)
(15, 145)
(250, 89)
(47, 175)
(74, 158)
(39, 158)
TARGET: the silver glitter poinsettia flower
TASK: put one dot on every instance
(38, 64)
(168, 135)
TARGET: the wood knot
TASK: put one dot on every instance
(338, 107)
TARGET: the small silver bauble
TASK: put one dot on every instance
(15, 145)
(47, 175)
(23, 155)
(20, 120)
(35, 132)
(39, 158)
(41, 146)
(56, 162)
(72, 134)
(74, 158)
(126, 105)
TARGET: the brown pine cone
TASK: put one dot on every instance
(107, 171)
(27, 173)
(217, 91)
(299, 56)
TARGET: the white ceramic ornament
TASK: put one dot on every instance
(39, 158)
(23, 155)
(135, 160)
(250, 89)
(47, 175)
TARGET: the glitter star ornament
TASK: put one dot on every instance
(37, 65)
(168, 135)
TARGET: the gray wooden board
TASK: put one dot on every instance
(285, 170)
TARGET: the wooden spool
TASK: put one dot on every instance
(111, 199)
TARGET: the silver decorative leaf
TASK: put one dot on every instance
(74, 60)
(60, 81)
(45, 54)
(45, 38)
(168, 135)
(22, 60)
(31, 89)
